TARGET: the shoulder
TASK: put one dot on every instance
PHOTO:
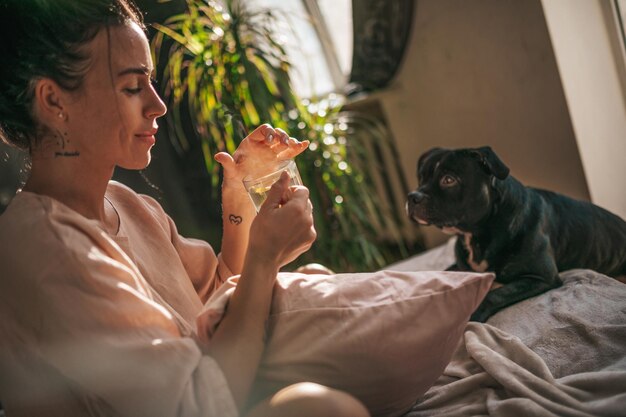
(41, 238)
(27, 215)
(36, 223)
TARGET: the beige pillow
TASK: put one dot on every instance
(384, 337)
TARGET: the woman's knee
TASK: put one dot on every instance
(308, 399)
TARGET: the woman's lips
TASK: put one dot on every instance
(147, 136)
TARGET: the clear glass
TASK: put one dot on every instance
(258, 187)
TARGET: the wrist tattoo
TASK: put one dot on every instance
(235, 219)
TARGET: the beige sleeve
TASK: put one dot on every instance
(206, 270)
(101, 330)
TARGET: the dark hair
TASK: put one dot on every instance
(43, 38)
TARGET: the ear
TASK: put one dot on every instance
(491, 162)
(49, 100)
(429, 154)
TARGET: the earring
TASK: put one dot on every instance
(61, 115)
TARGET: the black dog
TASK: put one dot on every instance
(524, 235)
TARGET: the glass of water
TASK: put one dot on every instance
(258, 187)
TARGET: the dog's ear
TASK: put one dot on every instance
(491, 161)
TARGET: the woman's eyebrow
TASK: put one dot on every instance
(142, 70)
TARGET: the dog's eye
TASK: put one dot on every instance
(447, 181)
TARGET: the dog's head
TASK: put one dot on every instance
(455, 187)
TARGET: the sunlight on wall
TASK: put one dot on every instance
(592, 73)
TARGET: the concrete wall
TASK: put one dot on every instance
(483, 72)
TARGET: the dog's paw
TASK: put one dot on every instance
(495, 286)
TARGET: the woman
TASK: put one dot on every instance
(98, 292)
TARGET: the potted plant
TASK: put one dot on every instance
(224, 74)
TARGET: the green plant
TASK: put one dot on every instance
(225, 74)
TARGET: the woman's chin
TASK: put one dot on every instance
(137, 164)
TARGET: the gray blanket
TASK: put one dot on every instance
(562, 353)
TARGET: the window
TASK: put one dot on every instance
(317, 35)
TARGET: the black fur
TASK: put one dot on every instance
(525, 235)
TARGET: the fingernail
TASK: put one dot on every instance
(285, 140)
(270, 138)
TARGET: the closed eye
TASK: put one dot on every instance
(133, 90)
(139, 88)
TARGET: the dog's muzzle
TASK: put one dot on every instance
(415, 198)
(414, 206)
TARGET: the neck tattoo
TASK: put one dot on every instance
(55, 145)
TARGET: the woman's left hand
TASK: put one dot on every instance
(258, 152)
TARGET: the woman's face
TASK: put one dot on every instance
(111, 119)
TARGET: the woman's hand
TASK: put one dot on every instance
(283, 229)
(259, 152)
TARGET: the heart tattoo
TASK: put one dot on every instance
(235, 219)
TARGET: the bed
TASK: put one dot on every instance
(562, 353)
(399, 340)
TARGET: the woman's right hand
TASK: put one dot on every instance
(283, 228)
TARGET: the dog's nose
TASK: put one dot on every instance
(416, 197)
